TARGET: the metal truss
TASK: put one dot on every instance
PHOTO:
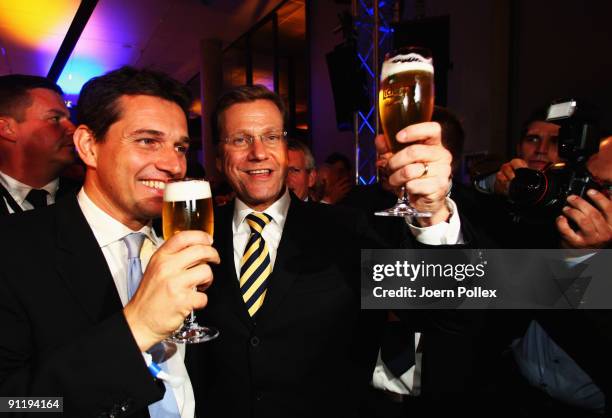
(374, 37)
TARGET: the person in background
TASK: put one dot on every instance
(302, 174)
(35, 143)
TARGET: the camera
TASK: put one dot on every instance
(540, 195)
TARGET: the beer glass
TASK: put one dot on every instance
(405, 97)
(188, 206)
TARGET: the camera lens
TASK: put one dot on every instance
(528, 187)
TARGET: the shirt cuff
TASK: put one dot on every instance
(443, 233)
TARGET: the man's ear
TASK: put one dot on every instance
(8, 128)
(86, 145)
(312, 178)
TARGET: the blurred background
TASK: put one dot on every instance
(495, 60)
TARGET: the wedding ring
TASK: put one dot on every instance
(425, 169)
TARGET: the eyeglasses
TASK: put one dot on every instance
(243, 141)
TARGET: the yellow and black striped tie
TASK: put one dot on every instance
(255, 267)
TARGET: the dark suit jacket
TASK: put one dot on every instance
(304, 354)
(310, 351)
(453, 369)
(63, 329)
(67, 187)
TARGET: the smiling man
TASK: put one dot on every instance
(79, 316)
(35, 142)
(286, 297)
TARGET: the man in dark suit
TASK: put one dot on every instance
(35, 143)
(76, 321)
(286, 296)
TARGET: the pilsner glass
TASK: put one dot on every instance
(188, 206)
(406, 97)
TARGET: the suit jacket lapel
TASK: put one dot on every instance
(82, 265)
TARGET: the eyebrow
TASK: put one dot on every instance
(60, 112)
(157, 134)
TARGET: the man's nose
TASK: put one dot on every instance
(257, 150)
(171, 162)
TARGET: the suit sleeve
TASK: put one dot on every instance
(99, 372)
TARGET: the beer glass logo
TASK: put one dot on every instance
(400, 66)
(412, 57)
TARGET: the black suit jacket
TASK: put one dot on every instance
(63, 329)
(304, 354)
(310, 351)
(67, 187)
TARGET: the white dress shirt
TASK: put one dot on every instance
(443, 233)
(272, 233)
(109, 233)
(19, 191)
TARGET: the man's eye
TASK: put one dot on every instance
(55, 119)
(239, 141)
(146, 141)
(182, 149)
(294, 170)
(532, 138)
(273, 138)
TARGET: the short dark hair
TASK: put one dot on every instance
(15, 93)
(98, 105)
(453, 135)
(243, 94)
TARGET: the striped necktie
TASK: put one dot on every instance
(255, 267)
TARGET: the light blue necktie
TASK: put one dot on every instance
(167, 407)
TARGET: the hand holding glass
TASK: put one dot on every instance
(406, 97)
(188, 206)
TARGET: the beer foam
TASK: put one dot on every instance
(187, 190)
(404, 63)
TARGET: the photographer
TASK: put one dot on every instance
(593, 220)
(550, 193)
(536, 149)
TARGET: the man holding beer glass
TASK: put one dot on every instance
(294, 346)
(78, 315)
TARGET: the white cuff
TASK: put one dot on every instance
(443, 233)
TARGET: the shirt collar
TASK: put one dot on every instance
(277, 210)
(20, 190)
(107, 229)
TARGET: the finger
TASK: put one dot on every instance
(189, 257)
(568, 234)
(583, 222)
(508, 171)
(185, 239)
(603, 203)
(420, 153)
(427, 132)
(200, 275)
(381, 145)
(518, 163)
(415, 171)
(432, 187)
(197, 300)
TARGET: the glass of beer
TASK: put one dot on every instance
(188, 206)
(406, 97)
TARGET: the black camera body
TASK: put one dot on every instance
(540, 195)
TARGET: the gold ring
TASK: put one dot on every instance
(425, 169)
